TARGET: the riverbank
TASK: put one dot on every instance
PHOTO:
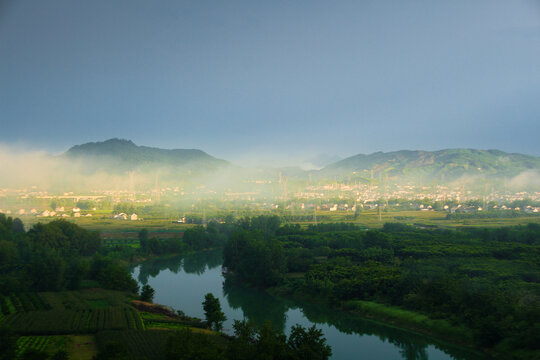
(438, 329)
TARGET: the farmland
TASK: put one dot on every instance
(80, 322)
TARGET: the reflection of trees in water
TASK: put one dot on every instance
(198, 262)
(195, 263)
(412, 346)
(257, 305)
(152, 268)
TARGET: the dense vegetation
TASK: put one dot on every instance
(44, 273)
(478, 282)
(250, 342)
(500, 214)
(55, 256)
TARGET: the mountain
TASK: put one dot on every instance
(449, 164)
(119, 154)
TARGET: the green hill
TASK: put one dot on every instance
(449, 164)
(118, 154)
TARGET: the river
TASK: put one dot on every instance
(182, 282)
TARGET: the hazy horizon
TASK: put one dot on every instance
(272, 158)
(280, 80)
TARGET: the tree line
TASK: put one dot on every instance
(484, 279)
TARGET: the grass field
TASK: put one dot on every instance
(126, 230)
(409, 319)
(370, 219)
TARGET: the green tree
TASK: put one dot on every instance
(143, 240)
(308, 344)
(147, 293)
(17, 226)
(212, 311)
(241, 346)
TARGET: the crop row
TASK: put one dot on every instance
(114, 242)
(61, 321)
(21, 302)
(32, 342)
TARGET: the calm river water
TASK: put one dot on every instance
(182, 283)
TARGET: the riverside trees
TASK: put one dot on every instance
(483, 279)
(212, 311)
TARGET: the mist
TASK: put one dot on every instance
(22, 167)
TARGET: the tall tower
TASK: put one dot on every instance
(132, 185)
(157, 192)
(204, 219)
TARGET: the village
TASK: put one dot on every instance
(124, 205)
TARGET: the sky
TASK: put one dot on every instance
(267, 81)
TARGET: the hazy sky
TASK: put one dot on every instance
(239, 78)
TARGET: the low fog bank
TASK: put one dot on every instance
(20, 168)
(23, 168)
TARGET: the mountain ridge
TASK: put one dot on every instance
(448, 164)
(445, 163)
(125, 153)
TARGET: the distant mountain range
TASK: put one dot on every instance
(447, 164)
(119, 155)
(122, 154)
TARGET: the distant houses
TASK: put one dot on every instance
(121, 216)
(124, 216)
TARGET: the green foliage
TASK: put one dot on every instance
(268, 344)
(212, 312)
(250, 342)
(147, 293)
(486, 281)
(257, 261)
(308, 344)
(116, 277)
(187, 345)
(65, 236)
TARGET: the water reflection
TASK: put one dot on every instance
(256, 305)
(346, 333)
(196, 263)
